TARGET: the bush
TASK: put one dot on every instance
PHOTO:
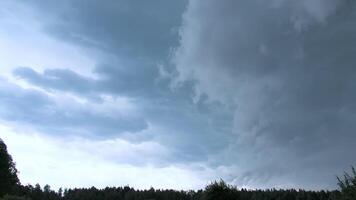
(219, 190)
(348, 185)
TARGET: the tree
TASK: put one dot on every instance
(8, 172)
(348, 185)
(219, 190)
(11, 197)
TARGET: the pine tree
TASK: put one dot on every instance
(8, 172)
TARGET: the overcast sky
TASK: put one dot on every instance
(175, 94)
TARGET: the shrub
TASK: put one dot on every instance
(348, 185)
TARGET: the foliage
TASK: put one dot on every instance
(12, 197)
(214, 191)
(8, 172)
(219, 190)
(348, 185)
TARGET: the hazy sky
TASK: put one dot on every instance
(175, 94)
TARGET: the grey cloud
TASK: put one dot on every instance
(38, 110)
(289, 69)
(273, 81)
(19, 104)
(139, 36)
(60, 79)
(191, 130)
(133, 80)
(144, 30)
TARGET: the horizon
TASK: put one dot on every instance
(177, 94)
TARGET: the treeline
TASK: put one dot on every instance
(11, 189)
(215, 191)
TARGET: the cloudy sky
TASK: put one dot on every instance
(175, 94)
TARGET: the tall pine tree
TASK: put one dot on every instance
(8, 172)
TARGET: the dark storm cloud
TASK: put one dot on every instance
(20, 104)
(132, 80)
(37, 109)
(194, 130)
(59, 79)
(145, 30)
(264, 89)
(129, 39)
(289, 67)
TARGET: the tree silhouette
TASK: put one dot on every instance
(8, 172)
(219, 190)
(11, 197)
(348, 185)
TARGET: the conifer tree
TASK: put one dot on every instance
(8, 172)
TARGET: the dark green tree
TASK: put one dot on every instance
(219, 190)
(347, 185)
(11, 197)
(8, 172)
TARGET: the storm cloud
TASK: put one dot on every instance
(259, 93)
(65, 116)
(289, 68)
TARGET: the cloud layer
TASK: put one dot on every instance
(289, 69)
(258, 93)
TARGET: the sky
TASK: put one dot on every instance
(176, 94)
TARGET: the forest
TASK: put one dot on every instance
(12, 189)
